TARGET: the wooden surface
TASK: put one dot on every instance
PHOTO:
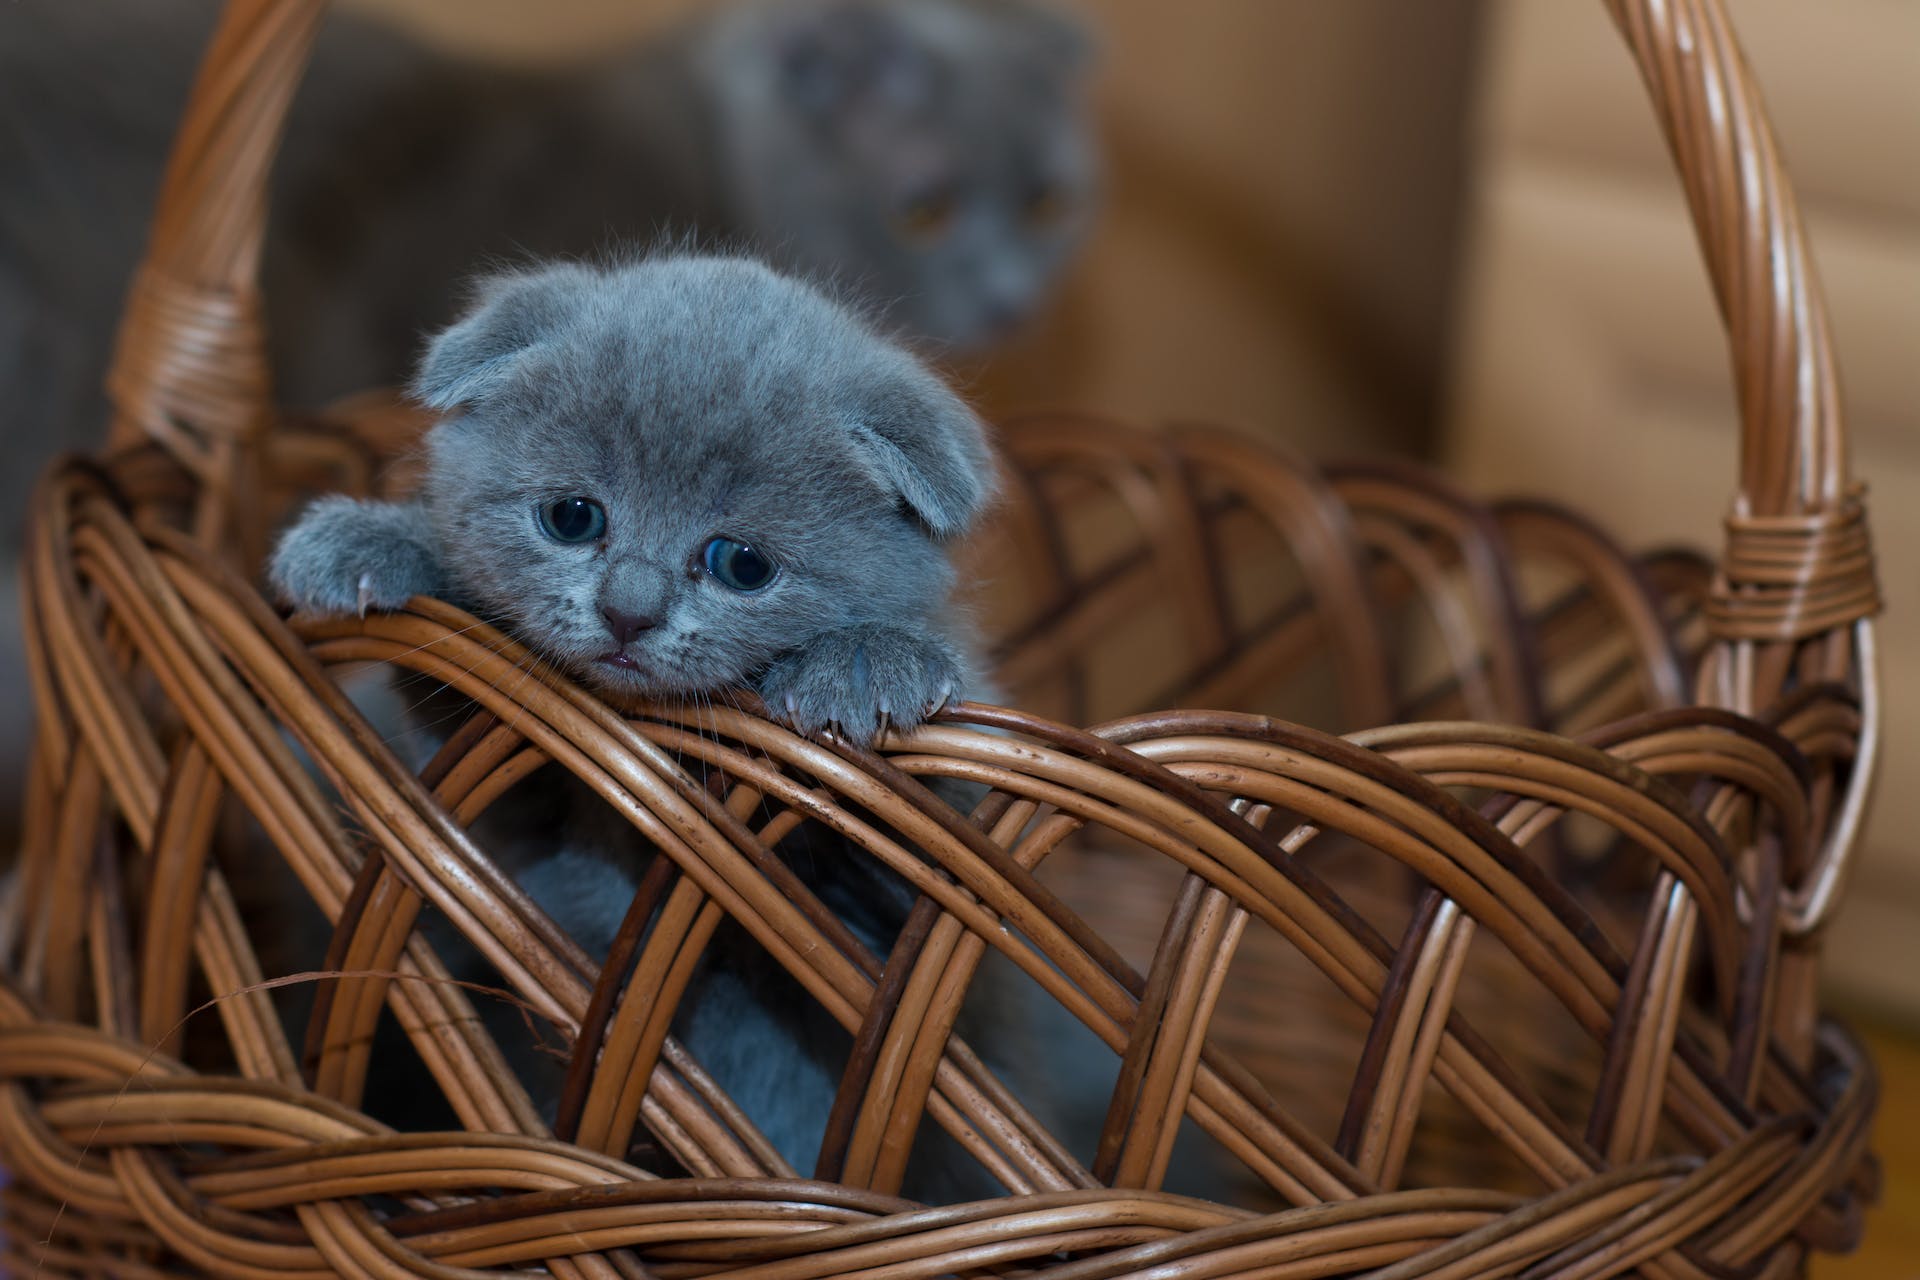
(1892, 1247)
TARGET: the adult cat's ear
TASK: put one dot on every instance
(920, 441)
(837, 57)
(510, 314)
(1049, 29)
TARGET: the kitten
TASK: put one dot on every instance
(678, 475)
(674, 477)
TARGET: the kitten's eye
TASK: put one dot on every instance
(738, 565)
(1047, 205)
(927, 215)
(573, 520)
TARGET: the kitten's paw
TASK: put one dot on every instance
(862, 680)
(344, 557)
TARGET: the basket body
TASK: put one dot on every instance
(1519, 984)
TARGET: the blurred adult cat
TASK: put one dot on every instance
(932, 156)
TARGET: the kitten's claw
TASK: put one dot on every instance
(864, 681)
(344, 557)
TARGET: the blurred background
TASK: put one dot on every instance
(1450, 230)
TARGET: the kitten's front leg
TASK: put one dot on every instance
(345, 556)
(858, 679)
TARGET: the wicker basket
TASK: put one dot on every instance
(1531, 993)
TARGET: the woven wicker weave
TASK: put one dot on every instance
(1523, 984)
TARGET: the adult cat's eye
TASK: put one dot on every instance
(737, 565)
(927, 214)
(573, 520)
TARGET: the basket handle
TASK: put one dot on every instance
(190, 367)
(1798, 564)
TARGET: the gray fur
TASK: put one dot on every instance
(393, 543)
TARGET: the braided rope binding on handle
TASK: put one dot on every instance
(190, 367)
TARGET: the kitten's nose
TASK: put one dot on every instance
(626, 627)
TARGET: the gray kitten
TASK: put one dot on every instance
(673, 477)
(679, 475)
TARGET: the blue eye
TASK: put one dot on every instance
(738, 565)
(573, 520)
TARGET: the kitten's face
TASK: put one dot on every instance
(936, 154)
(666, 483)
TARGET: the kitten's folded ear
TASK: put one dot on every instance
(920, 441)
(510, 314)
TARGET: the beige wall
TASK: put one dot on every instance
(1279, 230)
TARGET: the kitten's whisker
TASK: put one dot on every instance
(526, 669)
(767, 814)
(468, 703)
(679, 752)
(437, 685)
(498, 624)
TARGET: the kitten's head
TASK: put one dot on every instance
(665, 474)
(935, 152)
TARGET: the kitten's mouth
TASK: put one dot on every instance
(635, 677)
